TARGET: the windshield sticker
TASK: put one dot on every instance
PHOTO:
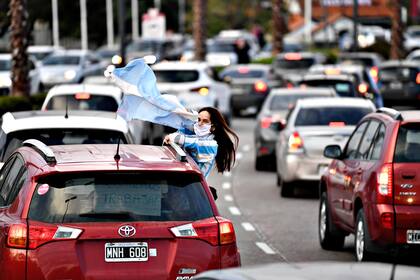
(43, 189)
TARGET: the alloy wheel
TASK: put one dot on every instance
(360, 241)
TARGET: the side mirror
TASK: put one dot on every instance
(214, 192)
(333, 151)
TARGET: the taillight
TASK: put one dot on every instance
(337, 124)
(289, 85)
(260, 87)
(201, 90)
(418, 78)
(82, 96)
(374, 73)
(295, 142)
(363, 88)
(384, 183)
(387, 220)
(266, 122)
(38, 234)
(215, 232)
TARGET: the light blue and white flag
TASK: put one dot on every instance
(142, 99)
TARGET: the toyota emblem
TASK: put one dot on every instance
(126, 231)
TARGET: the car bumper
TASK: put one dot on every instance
(299, 167)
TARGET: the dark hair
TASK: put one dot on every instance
(226, 139)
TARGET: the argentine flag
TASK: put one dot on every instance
(142, 99)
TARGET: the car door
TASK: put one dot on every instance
(357, 170)
(341, 180)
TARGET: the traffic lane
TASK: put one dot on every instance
(288, 225)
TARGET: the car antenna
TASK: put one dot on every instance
(117, 156)
(66, 116)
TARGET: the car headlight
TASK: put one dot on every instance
(5, 82)
(69, 75)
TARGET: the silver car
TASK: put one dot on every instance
(311, 126)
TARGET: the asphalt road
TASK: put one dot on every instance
(270, 228)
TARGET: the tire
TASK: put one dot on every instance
(260, 164)
(286, 189)
(330, 238)
(362, 239)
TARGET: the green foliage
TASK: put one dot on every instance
(266, 60)
(17, 103)
(37, 100)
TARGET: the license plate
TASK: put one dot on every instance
(413, 236)
(126, 252)
(395, 85)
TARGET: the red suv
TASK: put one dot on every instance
(371, 188)
(85, 212)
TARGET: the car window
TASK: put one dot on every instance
(367, 140)
(398, 74)
(285, 102)
(221, 48)
(343, 88)
(61, 60)
(101, 197)
(176, 76)
(243, 73)
(330, 116)
(353, 143)
(302, 63)
(8, 184)
(83, 101)
(376, 149)
(408, 143)
(3, 174)
(5, 65)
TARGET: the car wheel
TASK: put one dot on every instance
(329, 237)
(260, 164)
(286, 189)
(362, 239)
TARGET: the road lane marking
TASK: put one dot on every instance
(246, 148)
(228, 197)
(226, 185)
(265, 248)
(248, 227)
(234, 211)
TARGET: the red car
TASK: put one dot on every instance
(371, 189)
(85, 212)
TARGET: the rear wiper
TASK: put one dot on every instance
(106, 215)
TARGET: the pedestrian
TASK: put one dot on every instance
(210, 141)
(242, 51)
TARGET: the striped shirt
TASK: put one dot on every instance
(202, 149)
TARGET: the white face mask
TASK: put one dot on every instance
(202, 130)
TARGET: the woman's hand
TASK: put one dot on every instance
(167, 140)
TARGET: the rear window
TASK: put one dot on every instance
(397, 74)
(343, 88)
(61, 60)
(5, 65)
(286, 102)
(83, 101)
(60, 137)
(115, 197)
(330, 116)
(408, 144)
(243, 74)
(221, 48)
(176, 76)
(302, 63)
(365, 61)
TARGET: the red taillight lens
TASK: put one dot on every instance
(215, 232)
(38, 234)
(260, 86)
(363, 88)
(82, 96)
(289, 85)
(337, 124)
(374, 73)
(386, 220)
(418, 78)
(295, 142)
(266, 122)
(385, 181)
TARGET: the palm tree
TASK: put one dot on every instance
(396, 30)
(18, 45)
(200, 28)
(279, 26)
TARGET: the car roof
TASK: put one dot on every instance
(100, 157)
(358, 55)
(306, 90)
(410, 115)
(395, 63)
(71, 52)
(179, 65)
(28, 120)
(311, 77)
(345, 67)
(43, 48)
(262, 67)
(109, 90)
(333, 102)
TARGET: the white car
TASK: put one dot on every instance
(58, 128)
(412, 38)
(5, 75)
(69, 67)
(42, 51)
(194, 85)
(221, 53)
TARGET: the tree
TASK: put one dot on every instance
(396, 30)
(19, 45)
(200, 28)
(279, 25)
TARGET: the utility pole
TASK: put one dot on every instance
(56, 37)
(279, 26)
(135, 19)
(308, 22)
(397, 30)
(121, 29)
(200, 28)
(19, 45)
(109, 23)
(83, 24)
(355, 24)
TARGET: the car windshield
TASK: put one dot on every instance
(398, 74)
(61, 60)
(324, 116)
(5, 65)
(343, 88)
(61, 136)
(116, 197)
(221, 48)
(244, 73)
(408, 143)
(40, 55)
(144, 46)
(176, 76)
(83, 101)
(285, 102)
(365, 61)
(302, 63)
